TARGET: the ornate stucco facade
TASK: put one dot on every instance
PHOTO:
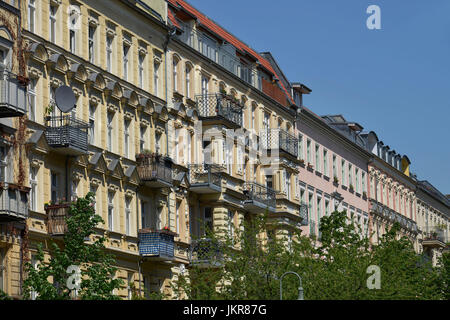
(178, 126)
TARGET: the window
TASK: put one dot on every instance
(144, 220)
(126, 125)
(92, 124)
(130, 285)
(363, 178)
(300, 147)
(325, 162)
(126, 50)
(72, 33)
(109, 52)
(32, 99)
(52, 31)
(269, 181)
(74, 190)
(208, 219)
(91, 43)
(204, 86)
(177, 217)
(110, 211)
(33, 191)
(335, 174)
(141, 69)
(156, 78)
(357, 180)
(288, 185)
(350, 175)
(31, 15)
(110, 131)
(327, 207)
(93, 189)
(54, 186)
(175, 74)
(188, 82)
(317, 158)
(266, 121)
(343, 172)
(128, 216)
(142, 138)
(158, 143)
(308, 151)
(253, 118)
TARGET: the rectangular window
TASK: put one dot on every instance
(72, 40)
(231, 223)
(110, 131)
(33, 191)
(325, 162)
(350, 175)
(111, 211)
(288, 185)
(91, 44)
(52, 31)
(156, 78)
(158, 143)
(175, 74)
(142, 138)
(31, 15)
(357, 180)
(317, 158)
(308, 151)
(109, 52)
(177, 212)
(32, 99)
(253, 118)
(269, 181)
(364, 185)
(207, 219)
(91, 124)
(126, 125)
(126, 50)
(188, 82)
(343, 172)
(300, 147)
(335, 174)
(54, 186)
(128, 216)
(204, 86)
(141, 70)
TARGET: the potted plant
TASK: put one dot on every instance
(351, 187)
(335, 180)
(364, 194)
(310, 166)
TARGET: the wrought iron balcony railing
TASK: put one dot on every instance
(392, 216)
(278, 139)
(155, 170)
(13, 95)
(220, 107)
(67, 133)
(13, 202)
(434, 236)
(56, 219)
(303, 212)
(205, 253)
(205, 178)
(158, 244)
(259, 197)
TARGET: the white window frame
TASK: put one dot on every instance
(126, 57)
(141, 69)
(32, 99)
(156, 66)
(109, 52)
(52, 23)
(92, 110)
(110, 128)
(111, 210)
(126, 140)
(128, 216)
(31, 15)
(34, 186)
(91, 43)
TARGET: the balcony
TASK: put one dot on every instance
(154, 170)
(390, 215)
(156, 244)
(205, 253)
(259, 198)
(218, 108)
(205, 178)
(13, 202)
(13, 95)
(280, 141)
(67, 134)
(56, 219)
(434, 238)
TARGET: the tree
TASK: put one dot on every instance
(96, 265)
(336, 267)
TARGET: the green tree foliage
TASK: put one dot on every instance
(49, 280)
(333, 268)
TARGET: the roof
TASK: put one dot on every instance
(222, 33)
(431, 190)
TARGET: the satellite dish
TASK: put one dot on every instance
(65, 99)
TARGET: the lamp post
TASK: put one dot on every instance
(300, 288)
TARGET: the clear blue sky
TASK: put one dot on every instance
(394, 81)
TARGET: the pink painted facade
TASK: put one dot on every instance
(334, 168)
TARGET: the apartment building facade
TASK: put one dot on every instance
(14, 192)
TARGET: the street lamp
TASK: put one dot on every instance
(300, 288)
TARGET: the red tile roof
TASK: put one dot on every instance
(205, 21)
